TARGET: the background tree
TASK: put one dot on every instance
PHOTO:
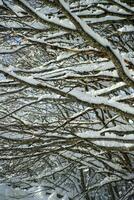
(66, 88)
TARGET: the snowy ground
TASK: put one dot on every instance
(35, 193)
(8, 193)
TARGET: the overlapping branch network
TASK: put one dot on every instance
(67, 84)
